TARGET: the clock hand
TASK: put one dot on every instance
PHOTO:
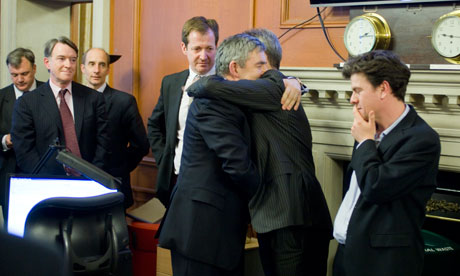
(366, 35)
(451, 36)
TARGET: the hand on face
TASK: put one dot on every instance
(291, 95)
(361, 129)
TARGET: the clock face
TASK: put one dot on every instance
(446, 36)
(360, 36)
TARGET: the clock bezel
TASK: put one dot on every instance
(382, 30)
(454, 59)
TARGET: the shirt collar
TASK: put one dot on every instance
(102, 87)
(56, 88)
(192, 74)
(395, 123)
(19, 93)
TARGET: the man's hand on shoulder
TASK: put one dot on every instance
(199, 88)
(291, 95)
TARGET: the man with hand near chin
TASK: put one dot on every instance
(393, 173)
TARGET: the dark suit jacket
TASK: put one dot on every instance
(128, 137)
(37, 123)
(162, 131)
(7, 158)
(396, 180)
(208, 214)
(290, 194)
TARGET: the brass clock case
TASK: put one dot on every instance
(380, 26)
(454, 41)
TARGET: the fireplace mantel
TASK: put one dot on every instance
(435, 94)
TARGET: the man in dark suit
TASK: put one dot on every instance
(38, 116)
(166, 125)
(22, 68)
(393, 173)
(128, 138)
(289, 211)
(206, 222)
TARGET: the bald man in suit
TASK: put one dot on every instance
(126, 130)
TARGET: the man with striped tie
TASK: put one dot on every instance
(60, 110)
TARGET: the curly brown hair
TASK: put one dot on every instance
(379, 66)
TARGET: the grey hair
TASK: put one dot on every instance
(15, 57)
(273, 47)
(49, 46)
(236, 48)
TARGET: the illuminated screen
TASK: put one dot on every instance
(337, 3)
(26, 191)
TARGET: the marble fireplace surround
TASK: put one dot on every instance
(435, 95)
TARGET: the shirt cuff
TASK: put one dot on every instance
(4, 146)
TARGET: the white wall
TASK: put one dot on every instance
(30, 24)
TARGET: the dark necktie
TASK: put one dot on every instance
(68, 125)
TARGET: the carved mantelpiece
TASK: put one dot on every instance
(434, 94)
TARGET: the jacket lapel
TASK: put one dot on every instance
(177, 91)
(108, 92)
(9, 100)
(50, 105)
(78, 99)
(175, 97)
(395, 134)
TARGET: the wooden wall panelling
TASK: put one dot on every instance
(306, 47)
(124, 75)
(411, 27)
(161, 26)
(81, 31)
(148, 34)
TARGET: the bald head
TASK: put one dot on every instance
(95, 67)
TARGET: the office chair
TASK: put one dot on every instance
(92, 231)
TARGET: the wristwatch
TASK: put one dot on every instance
(303, 87)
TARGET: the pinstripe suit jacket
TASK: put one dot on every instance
(7, 158)
(282, 149)
(37, 123)
(208, 214)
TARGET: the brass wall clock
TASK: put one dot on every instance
(365, 33)
(445, 37)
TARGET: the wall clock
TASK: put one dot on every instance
(365, 33)
(445, 37)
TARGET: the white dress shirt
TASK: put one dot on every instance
(183, 111)
(351, 197)
(67, 96)
(102, 87)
